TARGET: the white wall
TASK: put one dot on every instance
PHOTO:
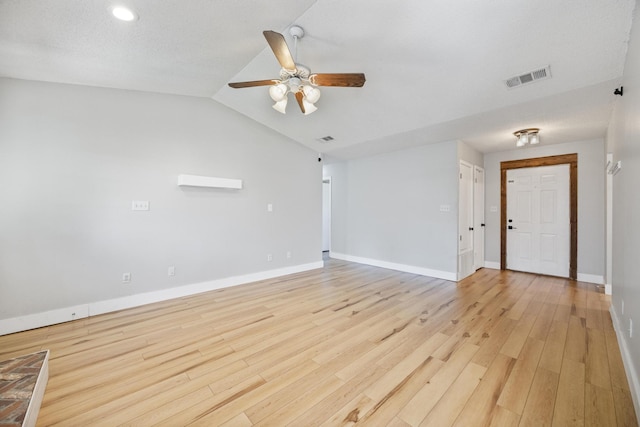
(591, 201)
(623, 140)
(73, 158)
(386, 209)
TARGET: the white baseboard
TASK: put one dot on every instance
(38, 320)
(608, 289)
(627, 360)
(590, 278)
(447, 275)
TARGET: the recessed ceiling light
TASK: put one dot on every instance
(124, 13)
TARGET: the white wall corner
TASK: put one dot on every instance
(38, 320)
(627, 360)
(438, 274)
(492, 265)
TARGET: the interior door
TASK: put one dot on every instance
(538, 223)
(465, 220)
(326, 215)
(478, 217)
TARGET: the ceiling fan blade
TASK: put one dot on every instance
(239, 85)
(280, 50)
(338, 79)
(299, 98)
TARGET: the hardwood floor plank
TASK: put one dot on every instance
(426, 398)
(538, 410)
(481, 406)
(569, 407)
(451, 403)
(554, 346)
(599, 407)
(597, 360)
(625, 412)
(516, 390)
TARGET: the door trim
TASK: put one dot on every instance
(572, 161)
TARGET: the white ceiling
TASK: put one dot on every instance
(435, 69)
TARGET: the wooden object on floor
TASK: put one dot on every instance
(346, 344)
(23, 380)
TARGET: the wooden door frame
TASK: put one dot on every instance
(572, 161)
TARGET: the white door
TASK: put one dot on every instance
(538, 224)
(326, 215)
(478, 217)
(465, 220)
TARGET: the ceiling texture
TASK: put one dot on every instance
(435, 70)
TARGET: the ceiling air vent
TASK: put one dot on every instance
(325, 139)
(530, 77)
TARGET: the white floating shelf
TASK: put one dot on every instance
(209, 181)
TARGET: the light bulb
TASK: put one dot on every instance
(278, 92)
(311, 94)
(523, 140)
(281, 106)
(308, 107)
(533, 138)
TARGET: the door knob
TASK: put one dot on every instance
(470, 228)
(511, 227)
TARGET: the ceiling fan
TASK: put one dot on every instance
(296, 78)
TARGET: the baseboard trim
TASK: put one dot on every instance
(608, 289)
(446, 275)
(38, 320)
(627, 360)
(590, 278)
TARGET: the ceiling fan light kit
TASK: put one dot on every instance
(297, 79)
(527, 136)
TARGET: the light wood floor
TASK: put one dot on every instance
(347, 344)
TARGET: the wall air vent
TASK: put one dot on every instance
(325, 139)
(530, 77)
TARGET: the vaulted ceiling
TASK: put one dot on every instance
(435, 70)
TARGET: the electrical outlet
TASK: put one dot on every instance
(269, 257)
(288, 254)
(140, 205)
(269, 207)
(126, 277)
(171, 271)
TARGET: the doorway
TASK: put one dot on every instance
(506, 244)
(326, 216)
(478, 217)
(538, 220)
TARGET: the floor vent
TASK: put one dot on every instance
(530, 77)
